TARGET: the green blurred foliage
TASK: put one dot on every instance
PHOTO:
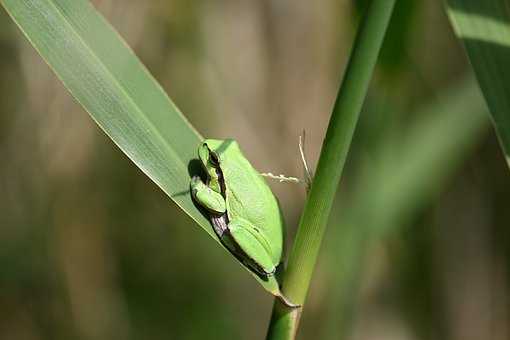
(417, 247)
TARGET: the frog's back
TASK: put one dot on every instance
(248, 194)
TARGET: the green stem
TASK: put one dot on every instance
(296, 280)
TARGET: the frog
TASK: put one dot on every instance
(245, 214)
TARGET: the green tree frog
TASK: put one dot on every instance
(243, 211)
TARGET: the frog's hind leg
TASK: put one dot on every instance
(253, 245)
(206, 197)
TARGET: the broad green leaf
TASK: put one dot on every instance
(484, 27)
(109, 81)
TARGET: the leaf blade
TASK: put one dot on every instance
(104, 75)
(109, 92)
(484, 27)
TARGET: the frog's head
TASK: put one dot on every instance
(212, 151)
(209, 153)
(208, 157)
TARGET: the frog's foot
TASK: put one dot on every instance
(207, 197)
(254, 248)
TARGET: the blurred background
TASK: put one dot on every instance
(418, 242)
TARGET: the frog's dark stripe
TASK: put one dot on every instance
(221, 180)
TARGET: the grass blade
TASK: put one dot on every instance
(334, 151)
(484, 27)
(109, 81)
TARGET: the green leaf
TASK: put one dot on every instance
(109, 81)
(484, 27)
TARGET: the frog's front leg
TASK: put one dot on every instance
(254, 246)
(207, 197)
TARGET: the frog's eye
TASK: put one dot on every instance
(213, 158)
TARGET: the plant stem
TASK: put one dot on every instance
(296, 280)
